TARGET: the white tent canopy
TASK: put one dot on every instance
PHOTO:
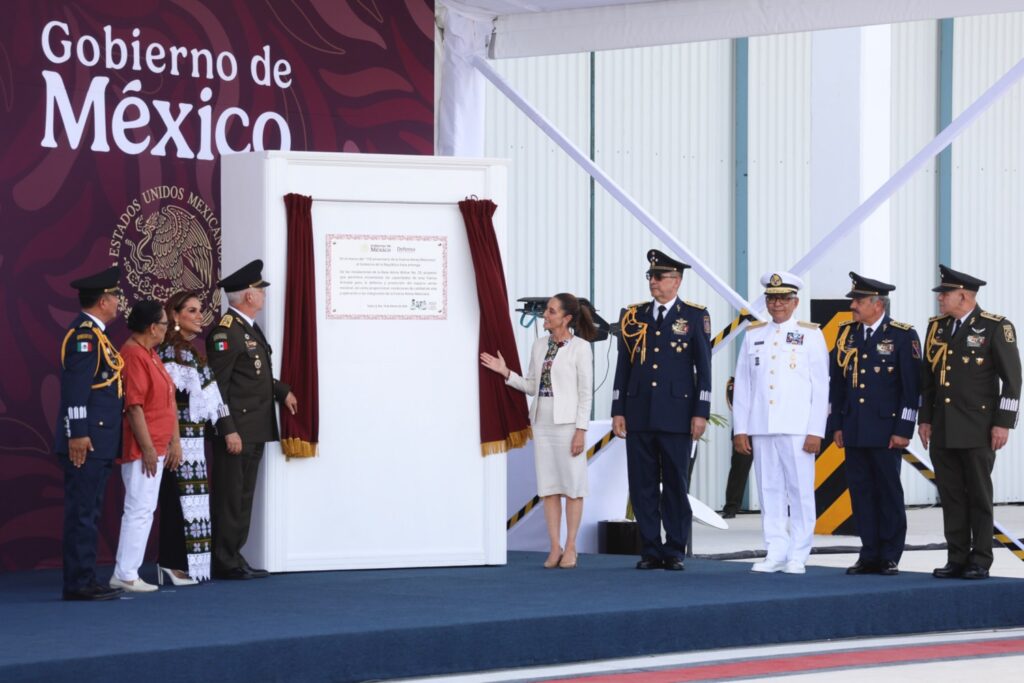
(525, 28)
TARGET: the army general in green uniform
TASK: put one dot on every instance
(239, 356)
(970, 392)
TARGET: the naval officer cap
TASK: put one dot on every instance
(865, 286)
(952, 280)
(103, 282)
(249, 275)
(661, 262)
(781, 283)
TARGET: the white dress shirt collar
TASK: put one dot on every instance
(668, 306)
(99, 323)
(243, 316)
(786, 324)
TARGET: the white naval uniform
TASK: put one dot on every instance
(780, 397)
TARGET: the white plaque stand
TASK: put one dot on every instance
(399, 480)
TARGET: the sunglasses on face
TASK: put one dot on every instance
(658, 276)
(778, 298)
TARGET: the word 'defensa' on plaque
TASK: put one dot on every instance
(387, 277)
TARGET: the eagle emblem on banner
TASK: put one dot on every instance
(169, 249)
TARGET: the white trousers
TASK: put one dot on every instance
(785, 479)
(140, 497)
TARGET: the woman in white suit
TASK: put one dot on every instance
(561, 378)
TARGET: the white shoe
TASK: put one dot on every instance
(174, 578)
(768, 566)
(136, 586)
(795, 567)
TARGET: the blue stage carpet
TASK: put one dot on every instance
(359, 625)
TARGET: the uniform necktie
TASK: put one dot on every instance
(661, 314)
(867, 334)
(956, 327)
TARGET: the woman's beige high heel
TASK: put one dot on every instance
(562, 564)
(553, 561)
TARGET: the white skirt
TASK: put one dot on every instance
(558, 472)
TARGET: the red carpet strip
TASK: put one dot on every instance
(819, 662)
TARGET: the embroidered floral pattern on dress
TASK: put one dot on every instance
(545, 371)
(199, 403)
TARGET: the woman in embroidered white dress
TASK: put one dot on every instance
(184, 553)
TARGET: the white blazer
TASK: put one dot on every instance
(572, 381)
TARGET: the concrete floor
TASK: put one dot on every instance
(924, 527)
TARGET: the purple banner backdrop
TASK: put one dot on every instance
(115, 114)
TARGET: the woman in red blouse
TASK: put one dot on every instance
(151, 441)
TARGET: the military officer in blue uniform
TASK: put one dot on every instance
(874, 394)
(88, 434)
(660, 403)
(970, 396)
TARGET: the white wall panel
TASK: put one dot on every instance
(988, 190)
(549, 196)
(779, 156)
(779, 159)
(664, 132)
(912, 210)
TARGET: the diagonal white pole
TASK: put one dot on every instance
(927, 153)
(620, 195)
(945, 137)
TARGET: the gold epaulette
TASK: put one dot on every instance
(901, 326)
(693, 305)
(756, 324)
(227, 320)
(992, 316)
(804, 323)
(847, 322)
(936, 318)
(86, 323)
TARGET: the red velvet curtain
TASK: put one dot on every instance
(301, 432)
(504, 419)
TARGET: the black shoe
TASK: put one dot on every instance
(888, 568)
(236, 574)
(952, 570)
(93, 592)
(649, 563)
(256, 573)
(974, 571)
(863, 567)
(674, 564)
(728, 514)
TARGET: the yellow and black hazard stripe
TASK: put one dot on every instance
(525, 510)
(913, 461)
(732, 328)
(1015, 546)
(831, 494)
